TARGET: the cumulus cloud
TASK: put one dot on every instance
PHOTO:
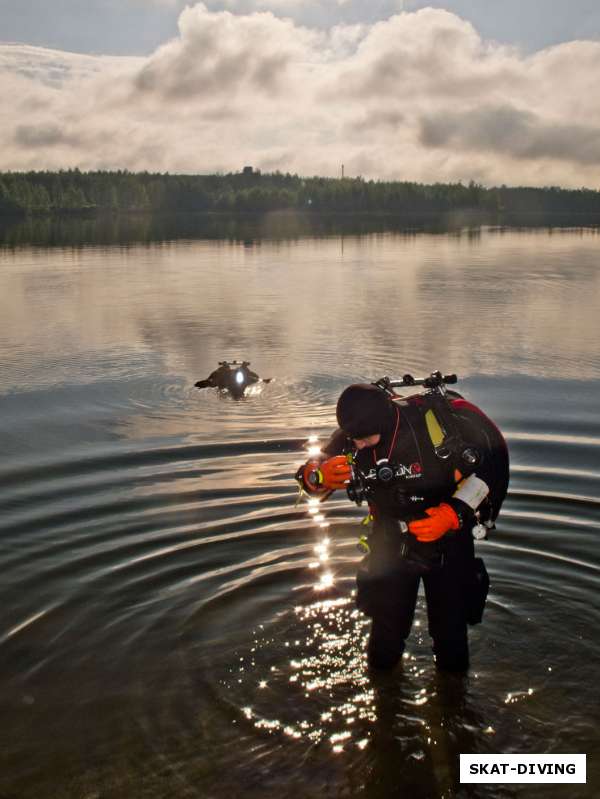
(419, 96)
(220, 54)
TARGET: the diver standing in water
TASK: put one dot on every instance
(434, 471)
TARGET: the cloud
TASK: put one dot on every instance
(221, 53)
(55, 68)
(419, 96)
(518, 133)
(48, 135)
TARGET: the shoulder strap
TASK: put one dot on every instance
(443, 431)
(434, 428)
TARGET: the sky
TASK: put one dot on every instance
(499, 93)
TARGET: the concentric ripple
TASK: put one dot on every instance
(174, 623)
(178, 585)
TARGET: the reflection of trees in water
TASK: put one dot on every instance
(249, 229)
(75, 231)
(109, 229)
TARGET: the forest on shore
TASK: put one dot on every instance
(75, 192)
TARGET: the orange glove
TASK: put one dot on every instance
(439, 521)
(335, 472)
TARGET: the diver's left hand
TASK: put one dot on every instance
(440, 519)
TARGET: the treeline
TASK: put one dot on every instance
(75, 192)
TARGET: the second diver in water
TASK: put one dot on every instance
(434, 471)
(231, 376)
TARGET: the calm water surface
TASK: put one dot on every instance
(167, 623)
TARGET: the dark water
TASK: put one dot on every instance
(171, 624)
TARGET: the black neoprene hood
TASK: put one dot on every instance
(363, 410)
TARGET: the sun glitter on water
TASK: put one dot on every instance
(322, 681)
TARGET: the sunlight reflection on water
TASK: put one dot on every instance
(167, 610)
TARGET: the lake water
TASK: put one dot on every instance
(166, 628)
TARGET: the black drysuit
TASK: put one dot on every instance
(388, 578)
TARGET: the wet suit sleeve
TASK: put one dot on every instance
(336, 444)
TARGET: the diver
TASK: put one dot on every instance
(433, 469)
(231, 376)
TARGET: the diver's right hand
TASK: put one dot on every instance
(336, 472)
